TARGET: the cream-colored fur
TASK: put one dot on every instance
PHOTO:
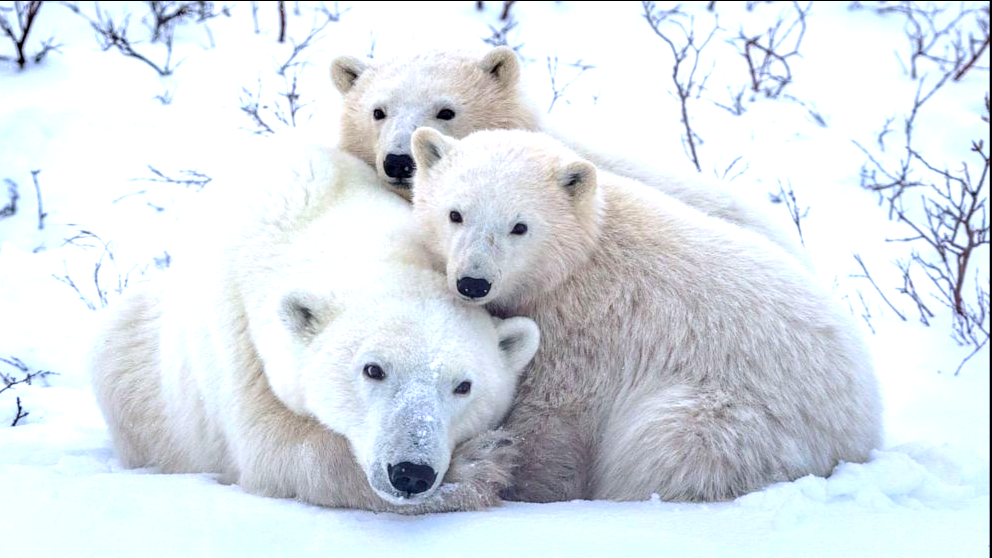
(250, 359)
(680, 355)
(485, 94)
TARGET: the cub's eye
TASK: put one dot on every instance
(463, 388)
(455, 217)
(519, 228)
(374, 372)
(445, 114)
(378, 114)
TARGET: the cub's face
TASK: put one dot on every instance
(384, 103)
(405, 381)
(507, 217)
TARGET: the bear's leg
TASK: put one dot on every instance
(691, 444)
(555, 455)
(126, 375)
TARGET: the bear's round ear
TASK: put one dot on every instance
(519, 339)
(577, 178)
(304, 313)
(502, 63)
(430, 146)
(345, 71)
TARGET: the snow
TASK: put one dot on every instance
(88, 120)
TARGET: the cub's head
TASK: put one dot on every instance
(404, 380)
(384, 102)
(510, 214)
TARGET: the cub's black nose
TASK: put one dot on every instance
(398, 166)
(411, 478)
(473, 287)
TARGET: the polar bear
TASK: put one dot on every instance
(310, 353)
(680, 355)
(457, 94)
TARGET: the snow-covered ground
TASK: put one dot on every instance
(89, 121)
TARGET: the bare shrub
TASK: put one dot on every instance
(557, 87)
(938, 33)
(18, 373)
(108, 277)
(112, 34)
(947, 225)
(12, 194)
(686, 56)
(286, 109)
(796, 213)
(18, 30)
(768, 53)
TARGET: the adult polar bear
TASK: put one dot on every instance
(310, 353)
(457, 94)
(681, 355)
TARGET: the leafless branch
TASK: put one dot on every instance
(866, 275)
(686, 62)
(768, 54)
(187, 178)
(788, 197)
(88, 240)
(37, 191)
(19, 29)
(500, 36)
(938, 36)
(282, 20)
(10, 208)
(558, 90)
(505, 14)
(114, 35)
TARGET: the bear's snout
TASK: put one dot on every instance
(473, 287)
(410, 478)
(399, 167)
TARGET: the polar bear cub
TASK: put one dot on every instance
(681, 355)
(458, 93)
(310, 353)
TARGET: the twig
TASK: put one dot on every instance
(857, 258)
(25, 16)
(505, 14)
(37, 191)
(282, 21)
(12, 197)
(684, 84)
(559, 92)
(789, 198)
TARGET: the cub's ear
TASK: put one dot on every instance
(519, 339)
(345, 71)
(502, 63)
(430, 146)
(577, 178)
(305, 314)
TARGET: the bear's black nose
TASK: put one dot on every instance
(411, 478)
(398, 166)
(473, 287)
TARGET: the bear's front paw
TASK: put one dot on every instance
(486, 462)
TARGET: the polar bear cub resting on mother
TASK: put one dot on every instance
(458, 93)
(680, 354)
(311, 354)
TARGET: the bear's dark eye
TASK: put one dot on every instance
(374, 372)
(445, 114)
(378, 114)
(455, 217)
(519, 228)
(463, 388)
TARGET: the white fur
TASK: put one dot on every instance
(249, 361)
(485, 94)
(681, 355)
